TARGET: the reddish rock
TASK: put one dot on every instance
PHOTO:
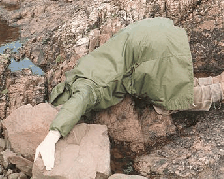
(82, 154)
(195, 153)
(24, 88)
(31, 125)
(18, 88)
(125, 125)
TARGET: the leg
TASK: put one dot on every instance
(206, 91)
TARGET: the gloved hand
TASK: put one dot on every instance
(47, 149)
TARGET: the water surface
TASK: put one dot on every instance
(9, 38)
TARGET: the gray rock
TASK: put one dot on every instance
(2, 143)
(81, 155)
(21, 163)
(22, 176)
(14, 176)
(123, 176)
(6, 154)
(17, 176)
(10, 2)
(4, 63)
(1, 169)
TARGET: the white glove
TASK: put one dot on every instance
(47, 149)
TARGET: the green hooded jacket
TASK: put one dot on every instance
(150, 58)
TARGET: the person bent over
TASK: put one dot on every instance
(150, 58)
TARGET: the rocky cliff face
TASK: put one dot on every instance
(57, 33)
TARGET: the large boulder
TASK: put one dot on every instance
(26, 127)
(125, 124)
(83, 154)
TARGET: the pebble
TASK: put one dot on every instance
(14, 176)
(9, 172)
(1, 169)
(23, 176)
(2, 143)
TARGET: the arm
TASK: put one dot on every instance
(83, 98)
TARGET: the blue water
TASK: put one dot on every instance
(14, 45)
(25, 63)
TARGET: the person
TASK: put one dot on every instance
(149, 58)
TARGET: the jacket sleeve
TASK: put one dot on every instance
(83, 98)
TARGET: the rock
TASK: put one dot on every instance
(82, 41)
(125, 125)
(31, 125)
(197, 154)
(18, 88)
(24, 88)
(6, 154)
(21, 163)
(1, 169)
(2, 144)
(9, 171)
(82, 154)
(22, 176)
(4, 63)
(17, 176)
(123, 176)
(14, 176)
(10, 2)
(205, 29)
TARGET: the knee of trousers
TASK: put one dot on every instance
(204, 96)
